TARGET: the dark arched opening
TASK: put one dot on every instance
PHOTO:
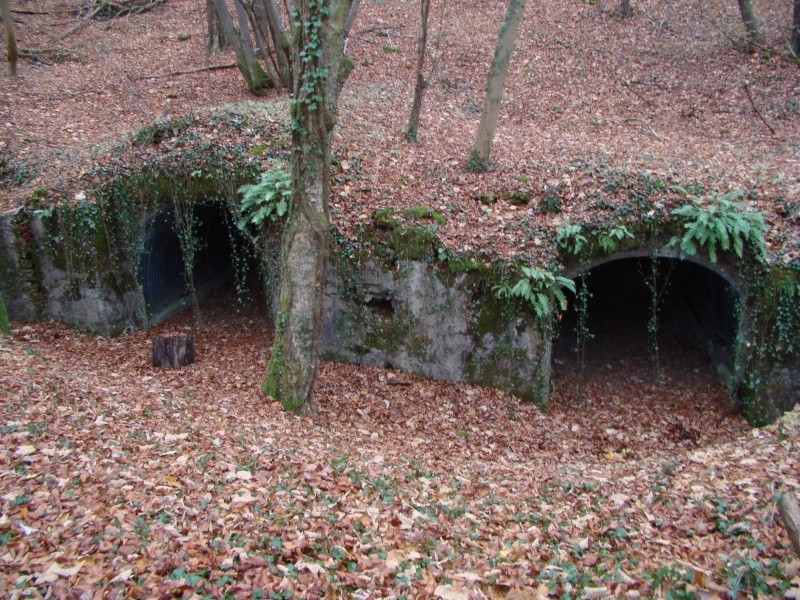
(696, 309)
(692, 333)
(221, 257)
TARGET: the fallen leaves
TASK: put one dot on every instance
(189, 486)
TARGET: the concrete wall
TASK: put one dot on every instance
(418, 317)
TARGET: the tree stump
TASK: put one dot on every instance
(790, 513)
(173, 350)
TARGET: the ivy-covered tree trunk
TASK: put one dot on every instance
(5, 326)
(320, 70)
(11, 41)
(419, 88)
(754, 37)
(478, 160)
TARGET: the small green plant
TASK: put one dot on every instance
(608, 241)
(570, 238)
(541, 288)
(268, 199)
(715, 221)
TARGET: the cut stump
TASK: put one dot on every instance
(173, 350)
(790, 513)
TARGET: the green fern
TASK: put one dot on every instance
(718, 222)
(608, 241)
(570, 238)
(541, 288)
(270, 198)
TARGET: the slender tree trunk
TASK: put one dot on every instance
(216, 34)
(5, 326)
(259, 24)
(320, 69)
(419, 88)
(795, 41)
(11, 41)
(754, 37)
(280, 41)
(257, 78)
(624, 9)
(351, 17)
(479, 157)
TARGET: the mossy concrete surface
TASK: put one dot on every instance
(412, 317)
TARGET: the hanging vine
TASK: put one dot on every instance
(186, 224)
(582, 332)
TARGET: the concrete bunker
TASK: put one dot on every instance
(219, 252)
(661, 306)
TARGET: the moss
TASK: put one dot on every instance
(385, 220)
(5, 326)
(385, 334)
(519, 197)
(418, 346)
(423, 212)
(159, 131)
(475, 164)
(415, 243)
(487, 198)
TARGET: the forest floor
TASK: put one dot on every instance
(120, 480)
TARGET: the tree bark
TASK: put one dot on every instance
(280, 41)
(173, 351)
(351, 17)
(5, 326)
(11, 41)
(790, 514)
(320, 69)
(419, 88)
(216, 34)
(479, 157)
(795, 40)
(754, 37)
(624, 9)
(254, 74)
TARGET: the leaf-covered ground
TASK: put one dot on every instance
(594, 105)
(121, 480)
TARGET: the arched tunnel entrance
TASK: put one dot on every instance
(663, 320)
(221, 256)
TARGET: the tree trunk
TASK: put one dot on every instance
(11, 41)
(5, 326)
(260, 26)
(790, 514)
(351, 17)
(479, 157)
(216, 34)
(280, 42)
(624, 9)
(795, 41)
(257, 79)
(319, 72)
(754, 37)
(173, 351)
(419, 88)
